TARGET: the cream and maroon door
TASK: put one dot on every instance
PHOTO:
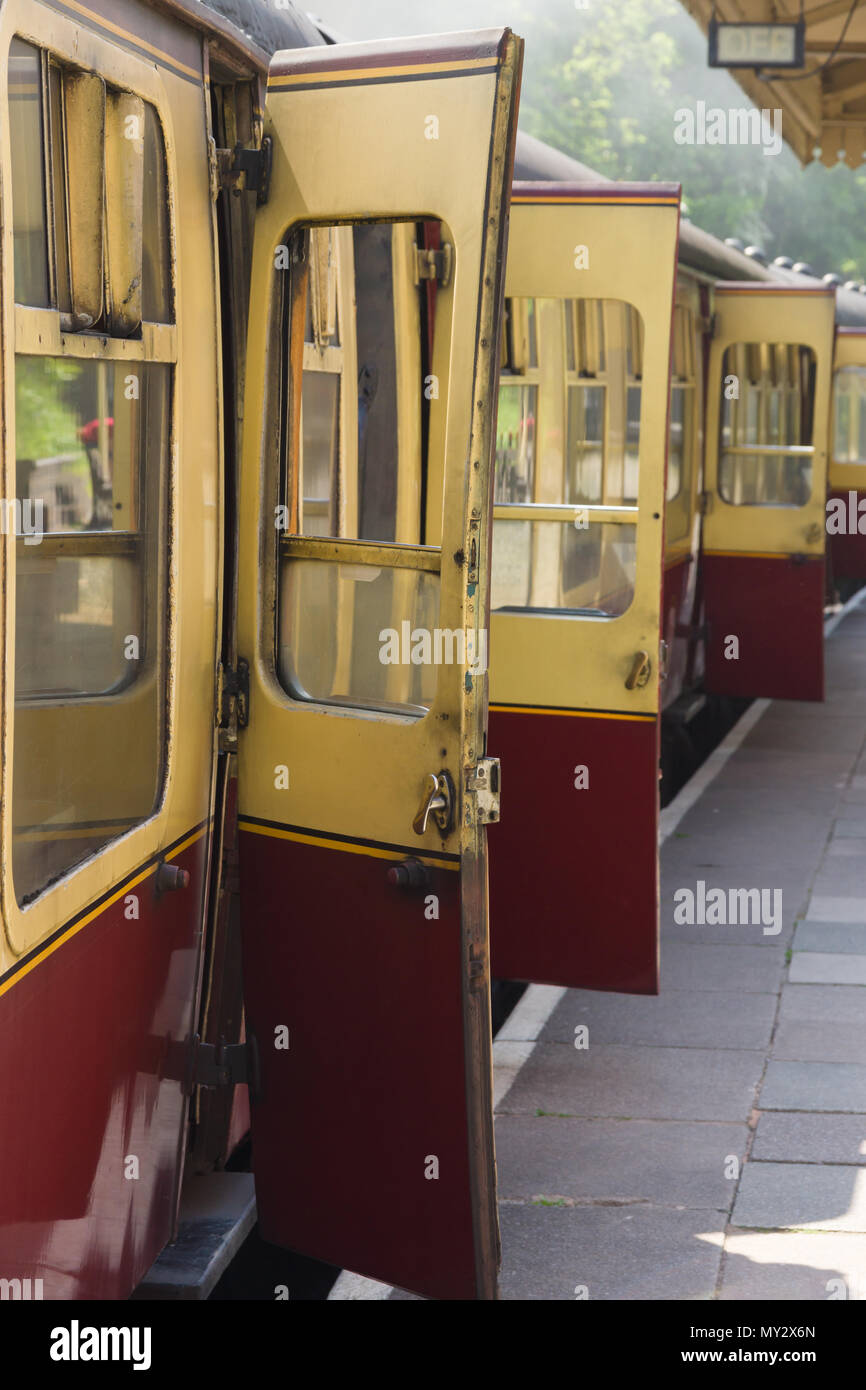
(577, 580)
(363, 790)
(763, 538)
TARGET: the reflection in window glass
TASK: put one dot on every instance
(156, 248)
(89, 683)
(29, 223)
(346, 634)
(78, 441)
(353, 467)
(320, 426)
(775, 418)
(556, 566)
(849, 415)
(632, 441)
(676, 443)
(585, 444)
(515, 443)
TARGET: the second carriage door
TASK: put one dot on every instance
(576, 583)
(763, 531)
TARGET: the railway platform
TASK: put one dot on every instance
(710, 1143)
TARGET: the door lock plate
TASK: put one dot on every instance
(485, 780)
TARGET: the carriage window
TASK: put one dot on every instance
(765, 446)
(92, 440)
(29, 220)
(353, 569)
(681, 428)
(565, 519)
(849, 415)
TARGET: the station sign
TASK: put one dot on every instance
(757, 45)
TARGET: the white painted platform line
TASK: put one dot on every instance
(516, 1040)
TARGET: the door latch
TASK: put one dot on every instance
(485, 780)
(251, 166)
(438, 802)
(233, 703)
(640, 672)
(434, 265)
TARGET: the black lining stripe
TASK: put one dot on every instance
(525, 708)
(94, 906)
(332, 86)
(414, 850)
(124, 41)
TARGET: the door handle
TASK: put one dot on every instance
(438, 802)
(813, 533)
(640, 671)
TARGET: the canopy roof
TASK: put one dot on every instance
(824, 105)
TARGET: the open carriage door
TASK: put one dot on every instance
(763, 531)
(361, 804)
(577, 579)
(846, 522)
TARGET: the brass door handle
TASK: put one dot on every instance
(438, 802)
(640, 671)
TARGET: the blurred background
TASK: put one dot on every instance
(603, 84)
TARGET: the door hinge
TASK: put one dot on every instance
(222, 1064)
(705, 503)
(434, 265)
(233, 703)
(710, 325)
(485, 781)
(246, 171)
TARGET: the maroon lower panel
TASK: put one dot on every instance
(774, 607)
(92, 1049)
(847, 553)
(371, 1094)
(574, 873)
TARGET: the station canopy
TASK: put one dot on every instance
(823, 104)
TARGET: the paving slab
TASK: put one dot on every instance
(810, 1138)
(827, 968)
(664, 1083)
(824, 908)
(668, 1163)
(837, 1086)
(676, 1018)
(804, 1266)
(801, 1196)
(641, 1253)
(706, 966)
(845, 938)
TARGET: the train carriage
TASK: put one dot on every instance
(260, 518)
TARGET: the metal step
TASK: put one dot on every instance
(217, 1213)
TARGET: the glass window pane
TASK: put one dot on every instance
(556, 566)
(88, 734)
(360, 634)
(78, 435)
(29, 220)
(320, 425)
(676, 442)
(849, 415)
(156, 243)
(515, 443)
(584, 476)
(759, 415)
